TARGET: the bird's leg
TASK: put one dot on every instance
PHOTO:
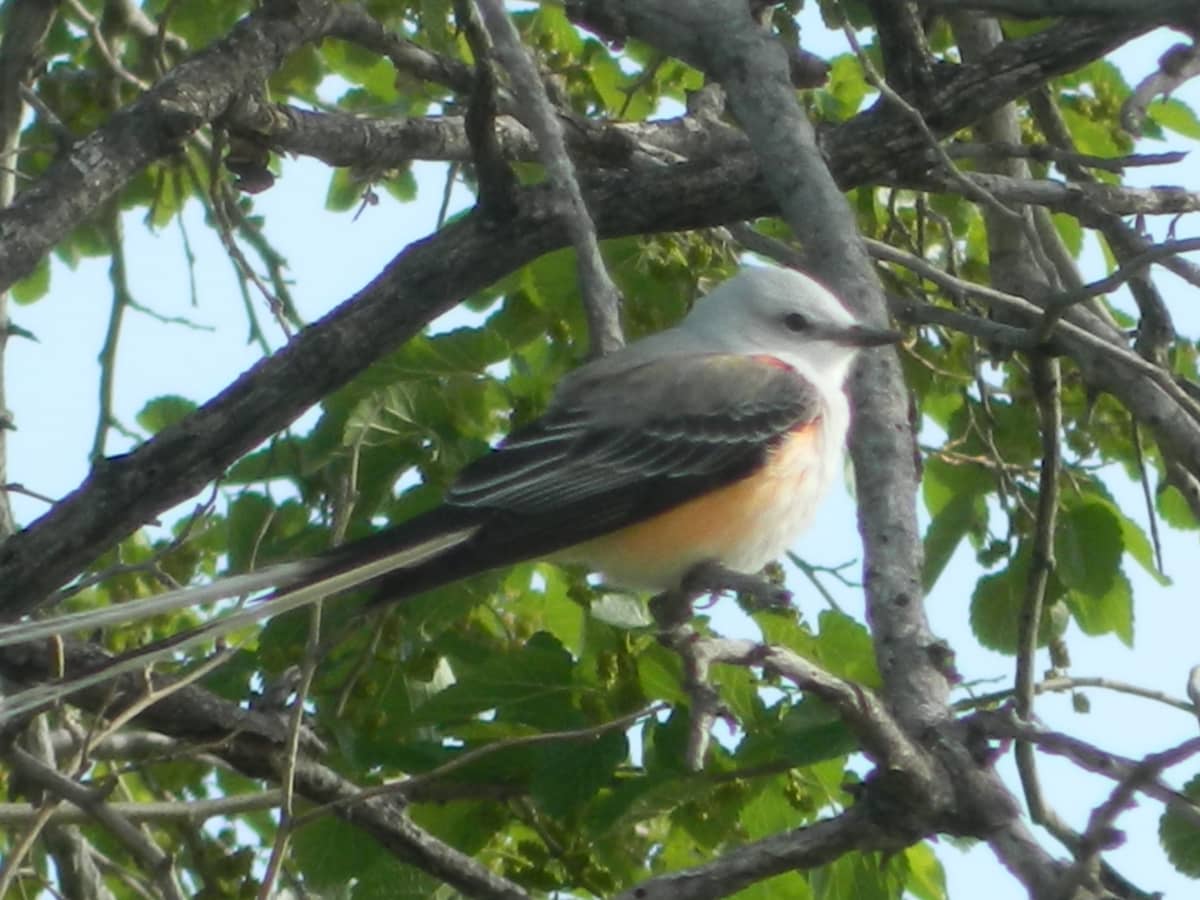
(711, 577)
(671, 609)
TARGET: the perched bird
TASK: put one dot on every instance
(687, 460)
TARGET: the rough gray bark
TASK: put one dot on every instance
(25, 25)
(191, 95)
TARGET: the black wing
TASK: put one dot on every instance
(609, 452)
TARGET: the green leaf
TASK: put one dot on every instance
(846, 649)
(1175, 115)
(248, 516)
(402, 185)
(359, 66)
(660, 674)
(394, 880)
(335, 859)
(625, 611)
(926, 877)
(34, 285)
(997, 603)
(1137, 545)
(1180, 837)
(553, 610)
(345, 191)
(770, 812)
(946, 530)
(790, 885)
(533, 685)
(1088, 547)
(943, 483)
(331, 854)
(1174, 508)
(1070, 231)
(462, 351)
(570, 773)
(810, 732)
(1108, 613)
(163, 411)
(846, 85)
(859, 876)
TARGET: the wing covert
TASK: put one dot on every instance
(619, 448)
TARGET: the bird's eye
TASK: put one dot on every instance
(795, 321)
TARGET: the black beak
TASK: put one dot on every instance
(866, 336)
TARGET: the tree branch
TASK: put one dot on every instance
(803, 848)
(193, 94)
(149, 854)
(600, 299)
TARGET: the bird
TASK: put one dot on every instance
(686, 460)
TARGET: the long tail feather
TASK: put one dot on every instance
(290, 595)
(280, 576)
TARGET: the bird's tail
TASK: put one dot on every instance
(295, 584)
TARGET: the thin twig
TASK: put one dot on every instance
(1100, 834)
(1129, 268)
(291, 754)
(1091, 758)
(1020, 306)
(1147, 496)
(18, 849)
(601, 301)
(1045, 377)
(121, 295)
(106, 53)
(1050, 153)
(970, 187)
(1073, 683)
(148, 853)
(810, 572)
(15, 487)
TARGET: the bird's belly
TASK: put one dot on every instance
(742, 526)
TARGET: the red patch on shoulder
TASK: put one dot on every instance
(773, 361)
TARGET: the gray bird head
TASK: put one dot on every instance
(782, 313)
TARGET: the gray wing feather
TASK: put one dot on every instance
(697, 418)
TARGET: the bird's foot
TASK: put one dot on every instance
(713, 578)
(674, 608)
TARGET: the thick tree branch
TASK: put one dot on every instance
(122, 494)
(26, 23)
(253, 743)
(804, 848)
(434, 274)
(193, 94)
(1178, 65)
(1078, 199)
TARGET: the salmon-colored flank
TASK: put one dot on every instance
(742, 525)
